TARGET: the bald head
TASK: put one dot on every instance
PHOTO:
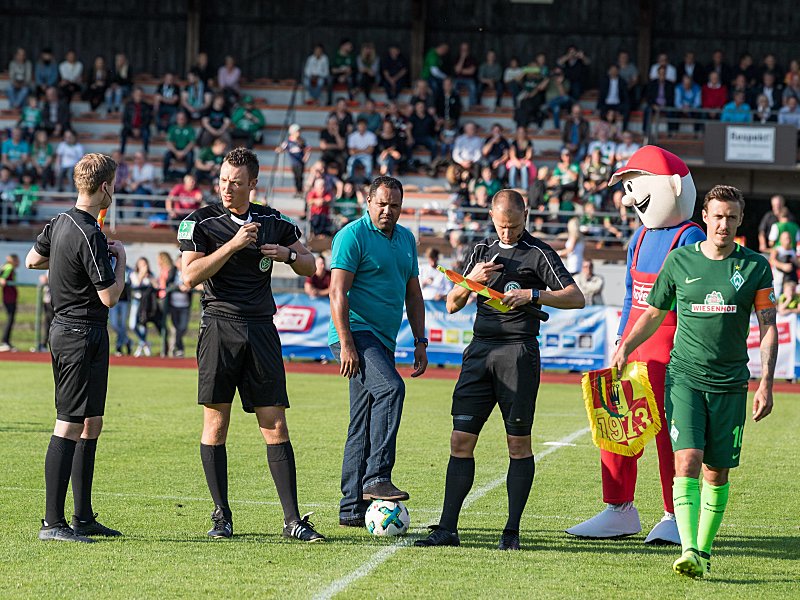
(508, 201)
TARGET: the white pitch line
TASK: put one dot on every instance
(384, 554)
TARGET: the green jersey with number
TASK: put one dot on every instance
(714, 300)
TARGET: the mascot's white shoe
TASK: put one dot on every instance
(665, 532)
(617, 520)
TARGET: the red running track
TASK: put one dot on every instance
(320, 369)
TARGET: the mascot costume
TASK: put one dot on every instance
(658, 185)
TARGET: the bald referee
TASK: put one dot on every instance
(230, 248)
(501, 364)
(83, 285)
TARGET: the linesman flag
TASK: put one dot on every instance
(622, 408)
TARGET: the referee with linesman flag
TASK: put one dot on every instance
(83, 285)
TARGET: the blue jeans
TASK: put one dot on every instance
(555, 105)
(118, 316)
(468, 84)
(376, 404)
(17, 96)
(365, 160)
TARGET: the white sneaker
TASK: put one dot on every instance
(138, 352)
(665, 532)
(617, 520)
(5, 347)
(147, 350)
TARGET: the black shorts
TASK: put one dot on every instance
(79, 353)
(244, 355)
(504, 374)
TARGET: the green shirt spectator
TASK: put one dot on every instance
(181, 136)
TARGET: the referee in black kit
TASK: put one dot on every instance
(230, 248)
(83, 286)
(501, 364)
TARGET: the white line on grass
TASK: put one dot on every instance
(384, 554)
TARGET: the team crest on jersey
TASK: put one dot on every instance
(714, 303)
(186, 230)
(264, 264)
(737, 280)
(512, 285)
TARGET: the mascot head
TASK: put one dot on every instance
(659, 186)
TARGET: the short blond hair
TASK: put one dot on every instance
(92, 171)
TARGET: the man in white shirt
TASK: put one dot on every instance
(467, 149)
(70, 73)
(316, 73)
(361, 146)
(663, 60)
(68, 153)
(433, 283)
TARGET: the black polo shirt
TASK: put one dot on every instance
(529, 264)
(80, 265)
(242, 287)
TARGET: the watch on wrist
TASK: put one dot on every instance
(535, 296)
(421, 340)
(292, 257)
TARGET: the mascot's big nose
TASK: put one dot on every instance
(629, 200)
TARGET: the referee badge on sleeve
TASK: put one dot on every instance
(186, 230)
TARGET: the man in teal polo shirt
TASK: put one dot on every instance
(374, 271)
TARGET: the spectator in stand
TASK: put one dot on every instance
(68, 153)
(520, 160)
(120, 83)
(595, 173)
(688, 98)
(166, 102)
(298, 151)
(789, 300)
(181, 139)
(572, 253)
(8, 276)
(122, 179)
(670, 72)
(432, 282)
(690, 67)
(388, 150)
(343, 117)
(332, 143)
(394, 72)
(180, 307)
(659, 95)
(97, 81)
(316, 73)
(319, 201)
(42, 157)
(464, 73)
(215, 123)
(423, 128)
(70, 73)
(512, 79)
(318, 285)
(536, 82)
(613, 94)
(447, 140)
(772, 90)
(143, 175)
(607, 126)
(349, 204)
(575, 135)
(746, 68)
(45, 73)
(183, 199)
(790, 114)
(784, 262)
(792, 89)
(433, 67)
(195, 97)
(720, 67)
(15, 152)
(490, 76)
(763, 113)
(737, 111)
(770, 65)
(590, 284)
(7, 186)
(20, 79)
(495, 151)
(630, 74)
(203, 70)
(624, 150)
(229, 79)
(714, 94)
(371, 116)
(422, 93)
(142, 293)
(557, 96)
(574, 64)
(136, 119)
(361, 146)
(401, 122)
(785, 222)
(794, 69)
(563, 182)
(26, 195)
(448, 103)
(343, 69)
(740, 85)
(368, 66)
(209, 160)
(248, 122)
(777, 204)
(468, 147)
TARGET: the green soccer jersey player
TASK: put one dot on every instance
(713, 286)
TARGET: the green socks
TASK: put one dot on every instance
(686, 496)
(714, 499)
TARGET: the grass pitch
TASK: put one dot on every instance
(149, 483)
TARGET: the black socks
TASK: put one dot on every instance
(57, 467)
(518, 485)
(282, 467)
(82, 476)
(215, 465)
(460, 476)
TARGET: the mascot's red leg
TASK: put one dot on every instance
(619, 477)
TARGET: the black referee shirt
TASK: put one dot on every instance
(79, 265)
(530, 264)
(242, 287)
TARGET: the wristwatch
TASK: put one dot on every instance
(421, 340)
(292, 257)
(534, 296)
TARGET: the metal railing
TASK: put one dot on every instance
(671, 120)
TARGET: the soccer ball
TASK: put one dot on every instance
(385, 517)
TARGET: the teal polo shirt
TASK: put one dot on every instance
(382, 268)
